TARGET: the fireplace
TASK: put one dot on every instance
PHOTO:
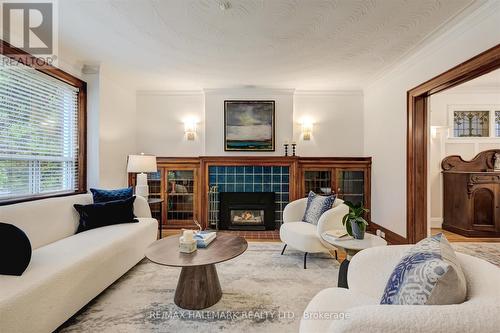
(247, 211)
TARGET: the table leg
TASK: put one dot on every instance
(198, 287)
(344, 266)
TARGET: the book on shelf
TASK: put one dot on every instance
(204, 238)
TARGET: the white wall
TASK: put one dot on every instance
(160, 123)
(117, 126)
(337, 116)
(442, 144)
(385, 107)
(337, 122)
(93, 137)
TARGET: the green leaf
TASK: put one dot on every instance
(348, 228)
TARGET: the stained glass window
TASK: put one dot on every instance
(471, 123)
(497, 122)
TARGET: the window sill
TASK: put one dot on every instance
(38, 197)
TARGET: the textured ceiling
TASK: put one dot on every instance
(193, 44)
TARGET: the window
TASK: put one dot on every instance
(471, 124)
(40, 133)
(497, 123)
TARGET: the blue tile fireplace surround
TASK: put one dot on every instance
(248, 179)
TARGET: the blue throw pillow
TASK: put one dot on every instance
(111, 195)
(316, 206)
(105, 213)
(429, 273)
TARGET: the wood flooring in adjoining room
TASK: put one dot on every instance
(456, 238)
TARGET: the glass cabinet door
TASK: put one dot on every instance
(319, 181)
(180, 193)
(154, 183)
(351, 185)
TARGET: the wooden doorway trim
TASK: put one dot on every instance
(417, 134)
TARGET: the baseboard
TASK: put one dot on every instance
(391, 237)
(436, 222)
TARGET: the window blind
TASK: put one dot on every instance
(38, 133)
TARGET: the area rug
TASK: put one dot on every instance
(263, 291)
(487, 251)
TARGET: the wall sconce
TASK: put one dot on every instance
(307, 127)
(433, 132)
(190, 129)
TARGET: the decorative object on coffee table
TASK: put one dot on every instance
(354, 221)
(198, 286)
(351, 247)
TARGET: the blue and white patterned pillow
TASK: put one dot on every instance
(429, 273)
(111, 195)
(316, 206)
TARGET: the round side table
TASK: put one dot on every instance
(351, 246)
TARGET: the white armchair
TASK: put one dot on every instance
(306, 237)
(358, 308)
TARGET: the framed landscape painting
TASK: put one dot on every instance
(249, 126)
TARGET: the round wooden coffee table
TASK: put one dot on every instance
(198, 286)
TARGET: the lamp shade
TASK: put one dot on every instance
(141, 163)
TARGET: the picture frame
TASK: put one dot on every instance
(249, 125)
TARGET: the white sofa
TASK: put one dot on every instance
(67, 270)
(306, 237)
(357, 309)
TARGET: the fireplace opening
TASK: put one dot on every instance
(247, 211)
(244, 216)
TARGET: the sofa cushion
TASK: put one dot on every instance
(316, 206)
(15, 250)
(105, 213)
(331, 305)
(45, 221)
(429, 273)
(100, 195)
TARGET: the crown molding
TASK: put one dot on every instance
(329, 92)
(465, 20)
(249, 91)
(169, 92)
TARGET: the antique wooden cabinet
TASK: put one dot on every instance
(471, 202)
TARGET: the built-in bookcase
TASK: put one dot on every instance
(190, 186)
(349, 182)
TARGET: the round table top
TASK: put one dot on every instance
(350, 243)
(166, 251)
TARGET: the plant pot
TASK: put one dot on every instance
(358, 232)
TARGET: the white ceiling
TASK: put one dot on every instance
(301, 44)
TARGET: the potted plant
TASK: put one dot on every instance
(354, 221)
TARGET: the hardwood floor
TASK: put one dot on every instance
(456, 238)
(250, 236)
(274, 236)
